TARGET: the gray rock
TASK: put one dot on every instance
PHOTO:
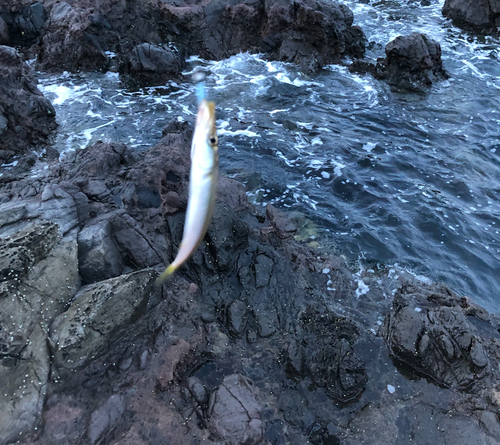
(235, 413)
(198, 390)
(152, 64)
(97, 313)
(98, 256)
(105, 418)
(23, 380)
(237, 317)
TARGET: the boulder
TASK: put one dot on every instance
(428, 330)
(149, 64)
(482, 16)
(27, 118)
(96, 316)
(412, 62)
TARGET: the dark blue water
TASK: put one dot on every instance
(407, 179)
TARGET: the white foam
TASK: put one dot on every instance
(369, 146)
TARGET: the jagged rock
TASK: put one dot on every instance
(411, 62)
(427, 330)
(235, 413)
(77, 35)
(96, 315)
(27, 118)
(481, 15)
(152, 64)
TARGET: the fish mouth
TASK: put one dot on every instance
(206, 114)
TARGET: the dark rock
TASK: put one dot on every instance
(76, 35)
(4, 39)
(412, 62)
(482, 16)
(235, 413)
(98, 256)
(27, 118)
(428, 331)
(327, 356)
(70, 41)
(29, 22)
(151, 64)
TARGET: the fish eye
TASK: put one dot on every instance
(213, 140)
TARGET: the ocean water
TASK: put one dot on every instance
(384, 177)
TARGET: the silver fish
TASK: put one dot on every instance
(202, 186)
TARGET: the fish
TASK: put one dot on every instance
(203, 178)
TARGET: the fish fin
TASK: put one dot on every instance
(166, 274)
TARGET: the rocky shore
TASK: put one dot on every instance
(260, 338)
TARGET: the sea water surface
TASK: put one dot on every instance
(387, 177)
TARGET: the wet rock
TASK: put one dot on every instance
(27, 118)
(235, 414)
(481, 16)
(96, 315)
(284, 226)
(151, 64)
(428, 331)
(105, 418)
(412, 62)
(327, 355)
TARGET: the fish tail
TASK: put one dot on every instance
(167, 273)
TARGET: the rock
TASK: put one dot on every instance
(482, 16)
(284, 226)
(4, 39)
(24, 377)
(96, 316)
(70, 41)
(412, 62)
(151, 64)
(174, 355)
(26, 116)
(324, 353)
(237, 317)
(434, 337)
(235, 413)
(104, 418)
(78, 35)
(198, 390)
(29, 21)
(98, 255)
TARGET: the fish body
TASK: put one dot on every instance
(202, 185)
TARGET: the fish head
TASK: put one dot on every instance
(205, 141)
